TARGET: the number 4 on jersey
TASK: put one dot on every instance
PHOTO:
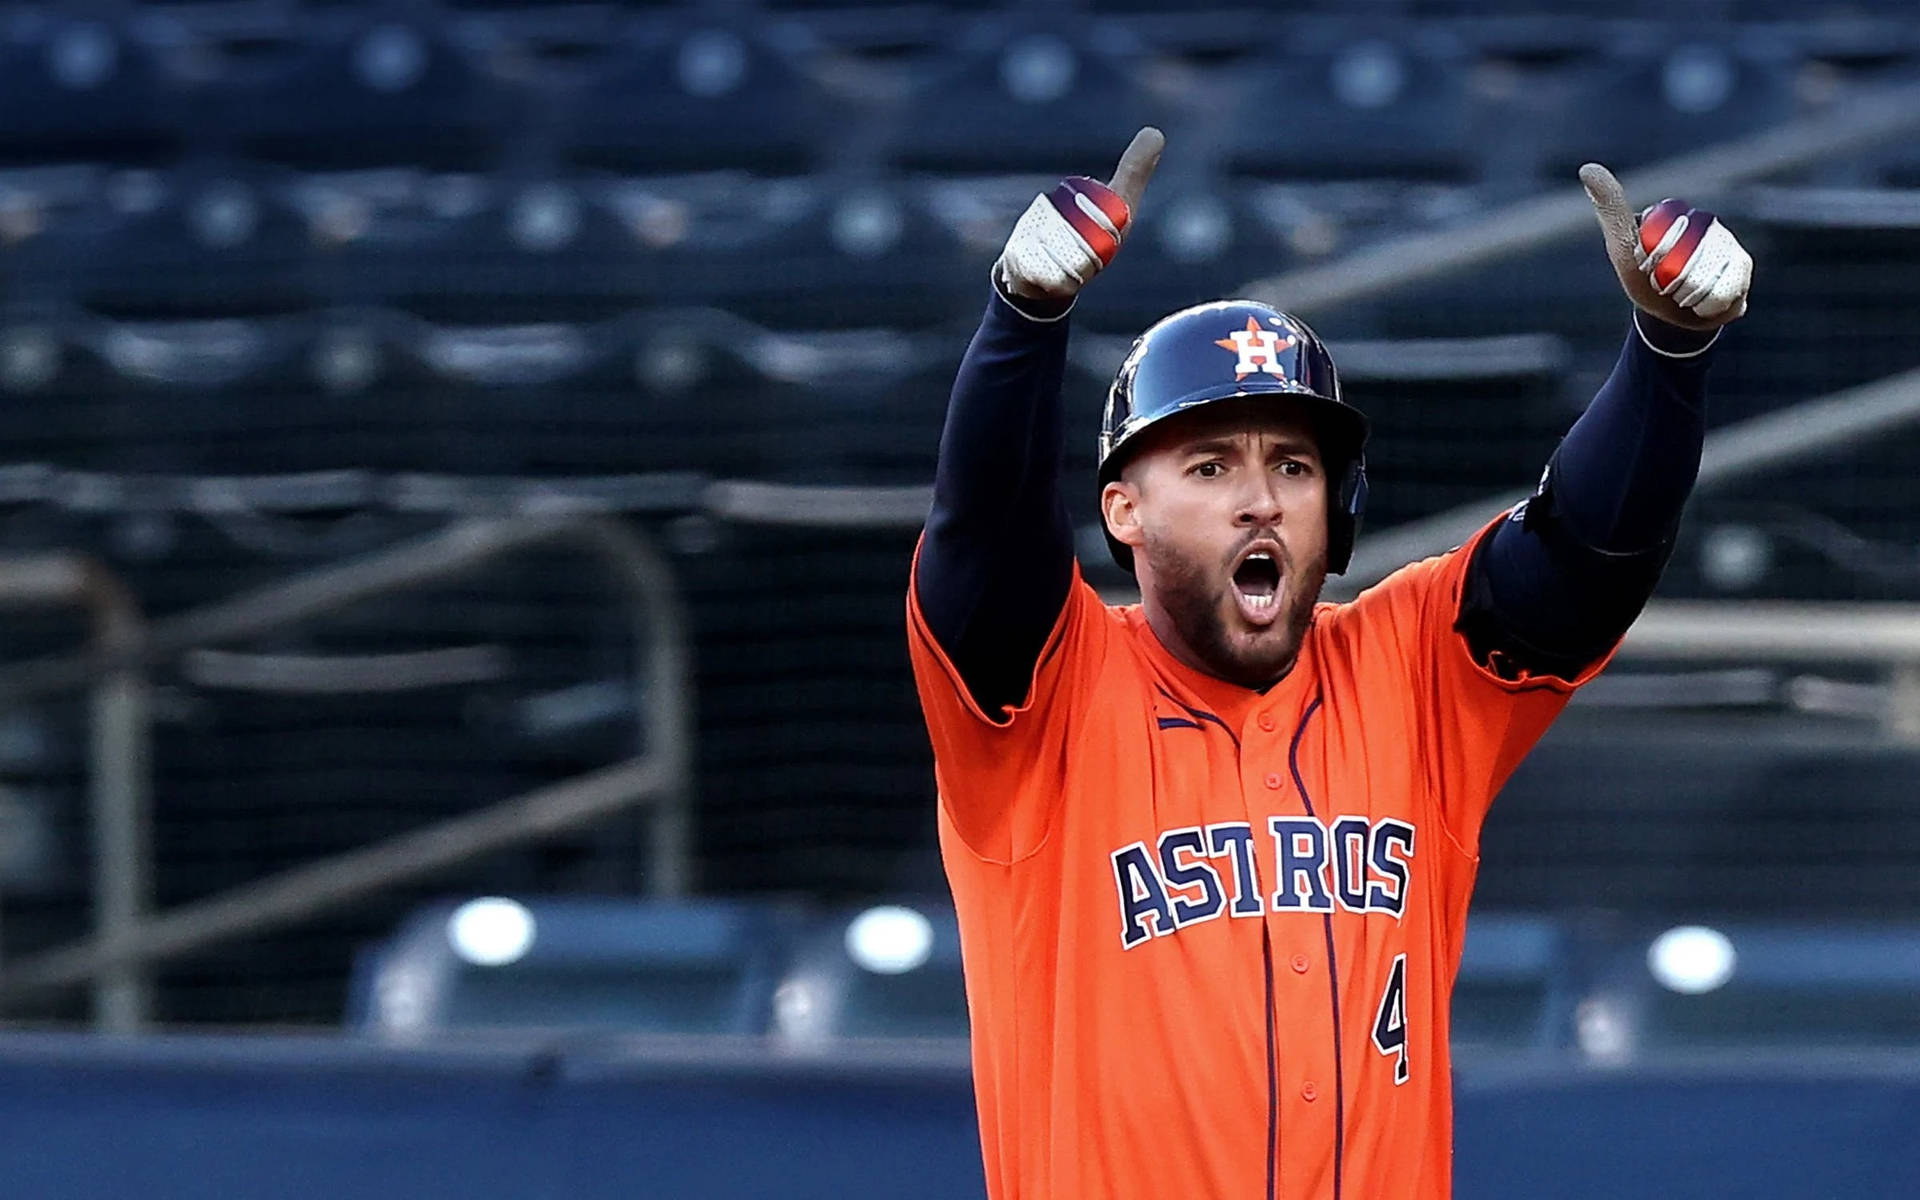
(1390, 1026)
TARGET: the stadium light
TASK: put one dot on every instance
(491, 931)
(1691, 959)
(890, 940)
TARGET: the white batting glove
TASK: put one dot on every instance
(1677, 263)
(1073, 230)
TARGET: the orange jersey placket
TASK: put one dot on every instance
(1305, 1090)
(1304, 1086)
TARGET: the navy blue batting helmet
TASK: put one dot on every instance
(1227, 350)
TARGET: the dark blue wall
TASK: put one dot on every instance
(1793, 1129)
(291, 1118)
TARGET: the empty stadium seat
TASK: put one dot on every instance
(887, 970)
(1751, 984)
(1515, 989)
(1371, 106)
(76, 88)
(1020, 96)
(355, 88)
(693, 96)
(1664, 96)
(557, 964)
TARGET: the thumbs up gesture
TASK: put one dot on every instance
(1676, 262)
(1075, 228)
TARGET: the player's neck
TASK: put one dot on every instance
(1166, 632)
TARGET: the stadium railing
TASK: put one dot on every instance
(128, 940)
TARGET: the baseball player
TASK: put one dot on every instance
(1212, 852)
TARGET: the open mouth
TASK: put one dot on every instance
(1256, 585)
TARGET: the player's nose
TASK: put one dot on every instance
(1260, 505)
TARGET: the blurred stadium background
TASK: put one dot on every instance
(460, 466)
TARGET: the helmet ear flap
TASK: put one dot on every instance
(1343, 525)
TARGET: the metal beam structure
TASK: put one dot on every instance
(306, 892)
(1870, 119)
(1776, 631)
(119, 775)
(1822, 426)
(121, 947)
(818, 506)
(1773, 631)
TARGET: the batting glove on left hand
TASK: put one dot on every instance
(1677, 263)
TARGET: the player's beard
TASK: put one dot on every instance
(1195, 595)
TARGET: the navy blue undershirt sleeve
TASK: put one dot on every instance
(997, 555)
(1553, 589)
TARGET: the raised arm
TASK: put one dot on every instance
(997, 557)
(1554, 588)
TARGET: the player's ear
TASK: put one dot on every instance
(1120, 507)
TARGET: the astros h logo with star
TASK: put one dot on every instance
(1258, 349)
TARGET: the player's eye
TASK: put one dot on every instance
(1213, 468)
(1294, 468)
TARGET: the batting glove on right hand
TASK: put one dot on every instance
(1069, 233)
(1677, 263)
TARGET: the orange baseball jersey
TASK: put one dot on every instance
(1210, 933)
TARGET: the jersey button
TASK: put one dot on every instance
(1273, 779)
(1308, 1092)
(1300, 963)
(1266, 722)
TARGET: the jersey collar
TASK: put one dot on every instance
(1231, 702)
